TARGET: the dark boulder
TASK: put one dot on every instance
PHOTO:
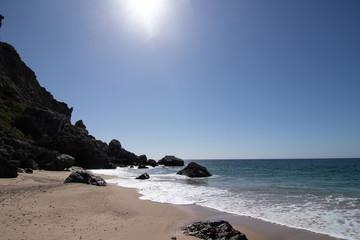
(220, 230)
(143, 176)
(194, 170)
(59, 163)
(171, 161)
(142, 159)
(85, 177)
(151, 162)
(115, 146)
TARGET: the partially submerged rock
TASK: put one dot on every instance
(220, 230)
(194, 170)
(143, 176)
(142, 166)
(152, 162)
(82, 176)
(171, 161)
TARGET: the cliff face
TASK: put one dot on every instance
(19, 81)
(35, 128)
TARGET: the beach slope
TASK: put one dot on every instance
(40, 206)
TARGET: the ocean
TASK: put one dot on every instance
(319, 195)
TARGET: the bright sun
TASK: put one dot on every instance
(147, 12)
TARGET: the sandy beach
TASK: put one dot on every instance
(40, 206)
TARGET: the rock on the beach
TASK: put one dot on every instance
(171, 161)
(143, 176)
(194, 170)
(221, 230)
(82, 176)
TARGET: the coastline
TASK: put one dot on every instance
(39, 205)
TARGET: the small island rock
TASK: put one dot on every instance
(152, 162)
(194, 170)
(171, 161)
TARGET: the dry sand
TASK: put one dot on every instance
(40, 206)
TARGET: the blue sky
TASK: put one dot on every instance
(201, 78)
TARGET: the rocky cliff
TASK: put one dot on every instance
(36, 131)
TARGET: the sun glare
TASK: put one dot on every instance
(147, 12)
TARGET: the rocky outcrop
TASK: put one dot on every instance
(220, 230)
(81, 176)
(27, 155)
(19, 81)
(142, 159)
(194, 170)
(121, 157)
(60, 163)
(171, 161)
(143, 176)
(87, 151)
(35, 128)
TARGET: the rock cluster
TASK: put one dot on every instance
(219, 230)
(194, 170)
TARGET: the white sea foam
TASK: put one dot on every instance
(308, 213)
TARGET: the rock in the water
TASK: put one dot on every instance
(143, 176)
(194, 170)
(85, 177)
(171, 161)
(152, 162)
(142, 166)
(221, 230)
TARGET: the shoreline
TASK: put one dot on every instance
(39, 205)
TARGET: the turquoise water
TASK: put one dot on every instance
(320, 195)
